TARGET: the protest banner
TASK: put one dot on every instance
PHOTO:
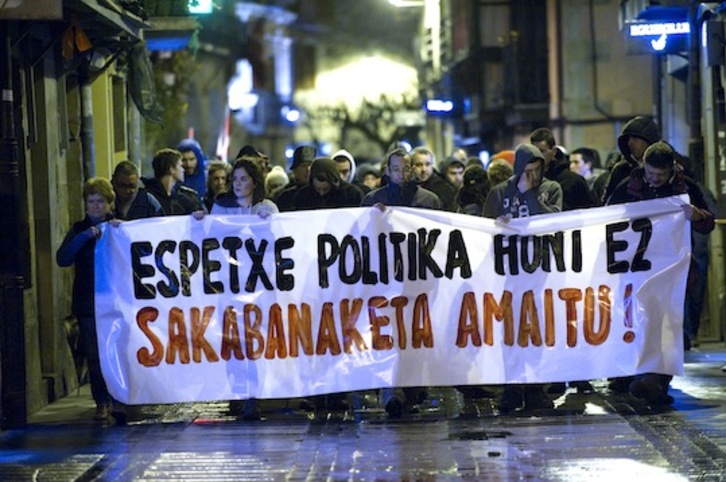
(307, 303)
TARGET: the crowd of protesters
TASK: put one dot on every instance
(535, 178)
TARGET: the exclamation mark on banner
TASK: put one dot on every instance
(629, 335)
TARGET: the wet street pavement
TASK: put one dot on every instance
(587, 436)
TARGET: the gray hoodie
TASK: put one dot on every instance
(506, 199)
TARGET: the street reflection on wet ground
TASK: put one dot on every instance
(587, 436)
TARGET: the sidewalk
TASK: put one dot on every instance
(602, 436)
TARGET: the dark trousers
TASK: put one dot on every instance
(87, 329)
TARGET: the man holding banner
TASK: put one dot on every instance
(661, 176)
(527, 193)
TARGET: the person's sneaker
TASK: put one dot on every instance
(583, 386)
(535, 398)
(103, 411)
(394, 407)
(620, 384)
(512, 398)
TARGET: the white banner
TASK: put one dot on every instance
(326, 301)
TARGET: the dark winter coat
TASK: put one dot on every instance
(346, 195)
(284, 198)
(443, 189)
(636, 188)
(642, 127)
(182, 199)
(576, 193)
(78, 249)
(144, 205)
(410, 194)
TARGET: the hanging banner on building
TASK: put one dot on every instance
(314, 302)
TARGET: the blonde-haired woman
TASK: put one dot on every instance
(78, 249)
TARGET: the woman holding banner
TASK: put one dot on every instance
(78, 249)
(246, 194)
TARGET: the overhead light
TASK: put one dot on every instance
(200, 6)
(407, 3)
(290, 114)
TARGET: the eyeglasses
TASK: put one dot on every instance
(321, 178)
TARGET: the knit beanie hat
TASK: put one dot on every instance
(276, 176)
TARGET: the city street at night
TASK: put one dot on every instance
(359, 240)
(595, 436)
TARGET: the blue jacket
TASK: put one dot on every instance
(78, 249)
(198, 180)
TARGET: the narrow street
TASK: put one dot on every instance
(595, 436)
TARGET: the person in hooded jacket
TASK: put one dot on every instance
(473, 192)
(348, 169)
(326, 189)
(368, 176)
(195, 165)
(635, 137)
(526, 193)
(661, 176)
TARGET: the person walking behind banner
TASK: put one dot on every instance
(473, 191)
(401, 189)
(526, 193)
(78, 249)
(246, 194)
(166, 185)
(585, 162)
(195, 165)
(661, 176)
(423, 170)
(498, 171)
(576, 193)
(132, 201)
(217, 176)
(275, 181)
(302, 159)
(635, 137)
(326, 189)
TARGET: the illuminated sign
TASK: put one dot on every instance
(662, 37)
(438, 105)
(659, 29)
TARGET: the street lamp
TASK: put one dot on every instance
(407, 3)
